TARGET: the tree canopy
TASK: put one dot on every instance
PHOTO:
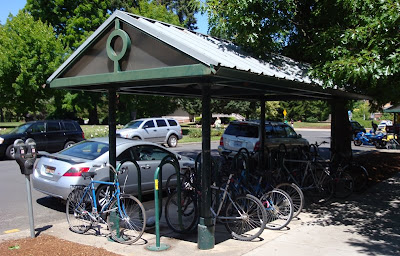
(29, 54)
(352, 44)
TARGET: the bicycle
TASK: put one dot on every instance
(125, 214)
(244, 215)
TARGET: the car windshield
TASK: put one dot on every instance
(87, 150)
(133, 124)
(20, 129)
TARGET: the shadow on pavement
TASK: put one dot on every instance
(374, 215)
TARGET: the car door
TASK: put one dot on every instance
(149, 131)
(292, 139)
(279, 136)
(55, 136)
(38, 132)
(128, 180)
(162, 130)
(149, 158)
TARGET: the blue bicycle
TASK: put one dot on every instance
(125, 214)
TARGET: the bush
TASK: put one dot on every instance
(312, 119)
(196, 132)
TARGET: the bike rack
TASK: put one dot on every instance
(169, 159)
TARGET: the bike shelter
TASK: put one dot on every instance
(130, 54)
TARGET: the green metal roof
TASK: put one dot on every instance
(142, 56)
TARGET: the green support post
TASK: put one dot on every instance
(157, 202)
(206, 227)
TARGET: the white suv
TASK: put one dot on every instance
(158, 130)
(246, 134)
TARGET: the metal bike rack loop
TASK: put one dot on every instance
(169, 159)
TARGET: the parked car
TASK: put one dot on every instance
(157, 130)
(49, 135)
(356, 127)
(55, 173)
(246, 134)
(382, 125)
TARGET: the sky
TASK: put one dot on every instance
(13, 6)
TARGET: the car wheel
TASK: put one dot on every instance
(69, 144)
(103, 195)
(10, 152)
(136, 138)
(172, 141)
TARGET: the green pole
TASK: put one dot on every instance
(206, 228)
(157, 187)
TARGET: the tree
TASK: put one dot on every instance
(310, 111)
(185, 9)
(29, 54)
(352, 44)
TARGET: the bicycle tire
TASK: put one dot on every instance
(128, 225)
(343, 185)
(296, 194)
(254, 218)
(360, 176)
(321, 189)
(78, 206)
(189, 215)
(279, 208)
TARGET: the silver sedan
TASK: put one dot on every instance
(55, 173)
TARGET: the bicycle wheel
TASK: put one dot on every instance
(127, 223)
(189, 214)
(279, 208)
(320, 187)
(343, 185)
(245, 218)
(295, 194)
(360, 176)
(79, 205)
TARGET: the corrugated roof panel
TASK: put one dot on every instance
(212, 51)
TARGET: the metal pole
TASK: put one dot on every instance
(262, 128)
(112, 101)
(206, 228)
(30, 208)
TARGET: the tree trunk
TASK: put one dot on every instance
(340, 128)
(93, 116)
(1, 115)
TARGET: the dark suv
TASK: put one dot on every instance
(49, 135)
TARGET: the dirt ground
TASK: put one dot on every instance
(379, 165)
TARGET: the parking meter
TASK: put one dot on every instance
(20, 153)
(25, 155)
(30, 155)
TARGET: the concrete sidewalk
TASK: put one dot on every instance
(365, 224)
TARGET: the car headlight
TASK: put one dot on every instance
(1, 140)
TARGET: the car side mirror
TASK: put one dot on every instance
(145, 127)
(299, 136)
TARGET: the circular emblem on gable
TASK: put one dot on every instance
(126, 43)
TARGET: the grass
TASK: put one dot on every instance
(321, 125)
(10, 124)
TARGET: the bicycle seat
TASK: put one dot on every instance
(88, 174)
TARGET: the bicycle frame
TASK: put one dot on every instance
(224, 196)
(104, 208)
